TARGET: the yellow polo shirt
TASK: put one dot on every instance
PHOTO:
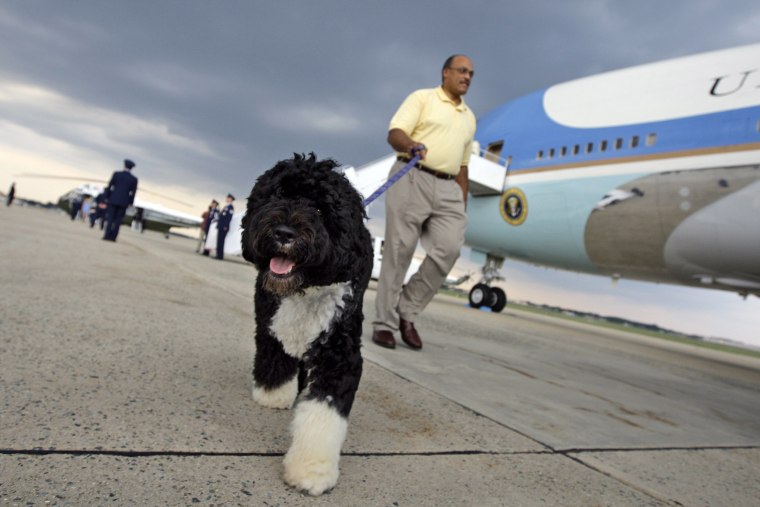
(430, 117)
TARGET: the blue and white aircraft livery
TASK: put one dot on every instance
(650, 172)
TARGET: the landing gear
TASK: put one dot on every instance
(501, 299)
(492, 297)
(482, 294)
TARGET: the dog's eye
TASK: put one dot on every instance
(319, 211)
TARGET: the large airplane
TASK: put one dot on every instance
(649, 173)
(155, 216)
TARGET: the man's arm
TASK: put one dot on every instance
(401, 142)
(107, 190)
(133, 192)
(463, 180)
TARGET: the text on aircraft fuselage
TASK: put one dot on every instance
(742, 82)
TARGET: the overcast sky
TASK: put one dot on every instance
(205, 95)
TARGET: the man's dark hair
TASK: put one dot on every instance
(447, 64)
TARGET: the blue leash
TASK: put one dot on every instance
(393, 179)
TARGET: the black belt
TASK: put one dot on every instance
(437, 174)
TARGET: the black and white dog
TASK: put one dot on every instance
(304, 230)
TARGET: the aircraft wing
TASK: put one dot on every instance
(154, 212)
(369, 177)
(156, 216)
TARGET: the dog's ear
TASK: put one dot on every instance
(265, 188)
(347, 214)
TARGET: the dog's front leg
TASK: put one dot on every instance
(311, 464)
(275, 379)
(321, 422)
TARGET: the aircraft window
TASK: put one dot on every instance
(551, 152)
(540, 155)
(603, 146)
(589, 147)
(618, 143)
(758, 125)
(651, 139)
(634, 141)
(576, 149)
(563, 151)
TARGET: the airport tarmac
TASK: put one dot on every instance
(126, 381)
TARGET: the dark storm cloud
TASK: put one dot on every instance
(218, 91)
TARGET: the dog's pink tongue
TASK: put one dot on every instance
(280, 265)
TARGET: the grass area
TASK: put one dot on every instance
(670, 336)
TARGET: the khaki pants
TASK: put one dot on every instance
(419, 204)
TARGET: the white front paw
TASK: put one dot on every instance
(311, 474)
(311, 463)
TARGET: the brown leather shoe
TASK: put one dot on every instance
(384, 339)
(409, 334)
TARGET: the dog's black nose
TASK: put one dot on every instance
(284, 234)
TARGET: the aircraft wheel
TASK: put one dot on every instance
(501, 299)
(480, 295)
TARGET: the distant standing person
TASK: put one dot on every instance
(99, 210)
(84, 212)
(76, 207)
(138, 220)
(429, 201)
(119, 195)
(208, 217)
(11, 194)
(223, 226)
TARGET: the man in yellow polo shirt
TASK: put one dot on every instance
(430, 200)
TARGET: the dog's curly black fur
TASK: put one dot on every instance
(304, 231)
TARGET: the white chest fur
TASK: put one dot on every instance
(302, 317)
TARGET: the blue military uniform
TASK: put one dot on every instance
(98, 213)
(213, 215)
(119, 195)
(223, 227)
